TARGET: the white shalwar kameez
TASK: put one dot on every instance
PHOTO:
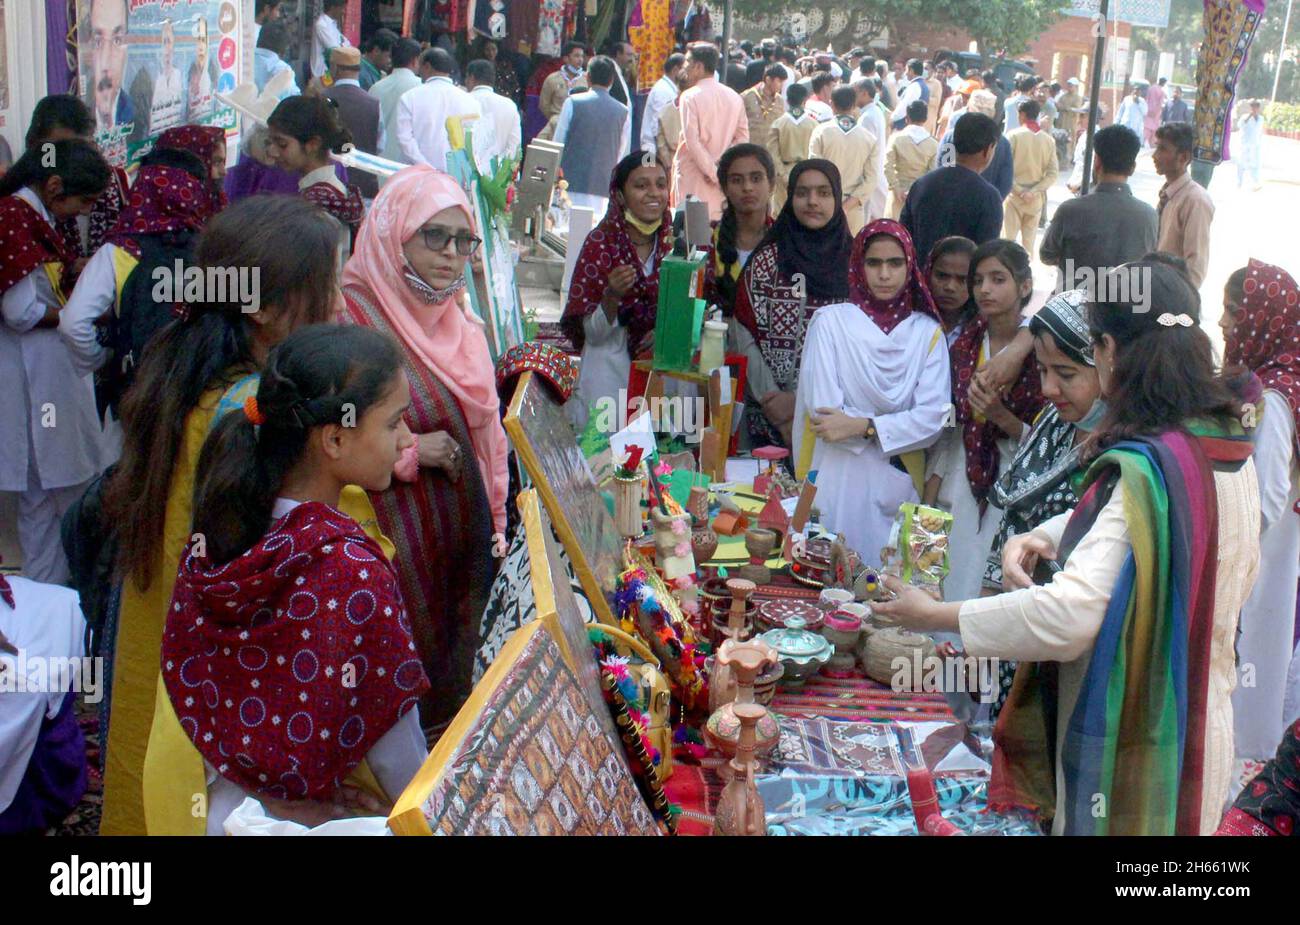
(1268, 619)
(900, 381)
(50, 434)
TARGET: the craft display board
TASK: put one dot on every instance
(557, 605)
(501, 311)
(526, 755)
(544, 442)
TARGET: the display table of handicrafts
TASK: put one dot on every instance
(721, 693)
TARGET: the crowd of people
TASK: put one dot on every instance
(281, 513)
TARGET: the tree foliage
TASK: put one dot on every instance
(998, 26)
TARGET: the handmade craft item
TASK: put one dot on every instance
(776, 614)
(767, 478)
(651, 764)
(831, 599)
(868, 586)
(672, 533)
(801, 652)
(744, 661)
(647, 607)
(813, 567)
(526, 754)
(716, 598)
(704, 542)
(544, 441)
(759, 543)
(773, 516)
(740, 809)
(842, 630)
(715, 440)
(765, 684)
(627, 505)
(884, 646)
(917, 549)
(721, 683)
(680, 312)
(697, 503)
(795, 539)
(846, 564)
(730, 523)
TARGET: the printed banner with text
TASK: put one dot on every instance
(145, 66)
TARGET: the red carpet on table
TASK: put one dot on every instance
(861, 700)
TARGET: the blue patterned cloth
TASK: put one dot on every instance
(877, 805)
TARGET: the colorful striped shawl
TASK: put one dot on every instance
(1133, 750)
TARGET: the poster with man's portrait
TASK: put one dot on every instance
(145, 66)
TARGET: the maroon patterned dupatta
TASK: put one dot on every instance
(164, 199)
(609, 246)
(1024, 400)
(28, 241)
(915, 294)
(202, 142)
(255, 655)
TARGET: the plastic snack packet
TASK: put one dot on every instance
(917, 551)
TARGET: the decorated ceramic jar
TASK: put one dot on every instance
(775, 615)
(801, 652)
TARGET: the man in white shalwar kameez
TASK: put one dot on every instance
(882, 364)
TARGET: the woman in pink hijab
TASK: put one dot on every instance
(445, 511)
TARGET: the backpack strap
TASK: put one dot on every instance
(123, 263)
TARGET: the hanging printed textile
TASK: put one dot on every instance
(150, 65)
(650, 32)
(550, 27)
(489, 17)
(1229, 27)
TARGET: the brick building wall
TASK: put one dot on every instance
(1065, 50)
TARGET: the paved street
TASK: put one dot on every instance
(1247, 224)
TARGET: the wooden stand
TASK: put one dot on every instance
(716, 437)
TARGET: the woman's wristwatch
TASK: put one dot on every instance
(871, 429)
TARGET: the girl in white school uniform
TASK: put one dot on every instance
(1261, 328)
(973, 455)
(50, 436)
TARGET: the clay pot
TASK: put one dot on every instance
(765, 684)
(759, 543)
(697, 504)
(704, 543)
(743, 662)
(718, 623)
(740, 808)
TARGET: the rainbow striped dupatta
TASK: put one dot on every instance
(1133, 750)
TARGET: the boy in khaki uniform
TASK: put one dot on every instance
(789, 140)
(1033, 158)
(854, 152)
(911, 154)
